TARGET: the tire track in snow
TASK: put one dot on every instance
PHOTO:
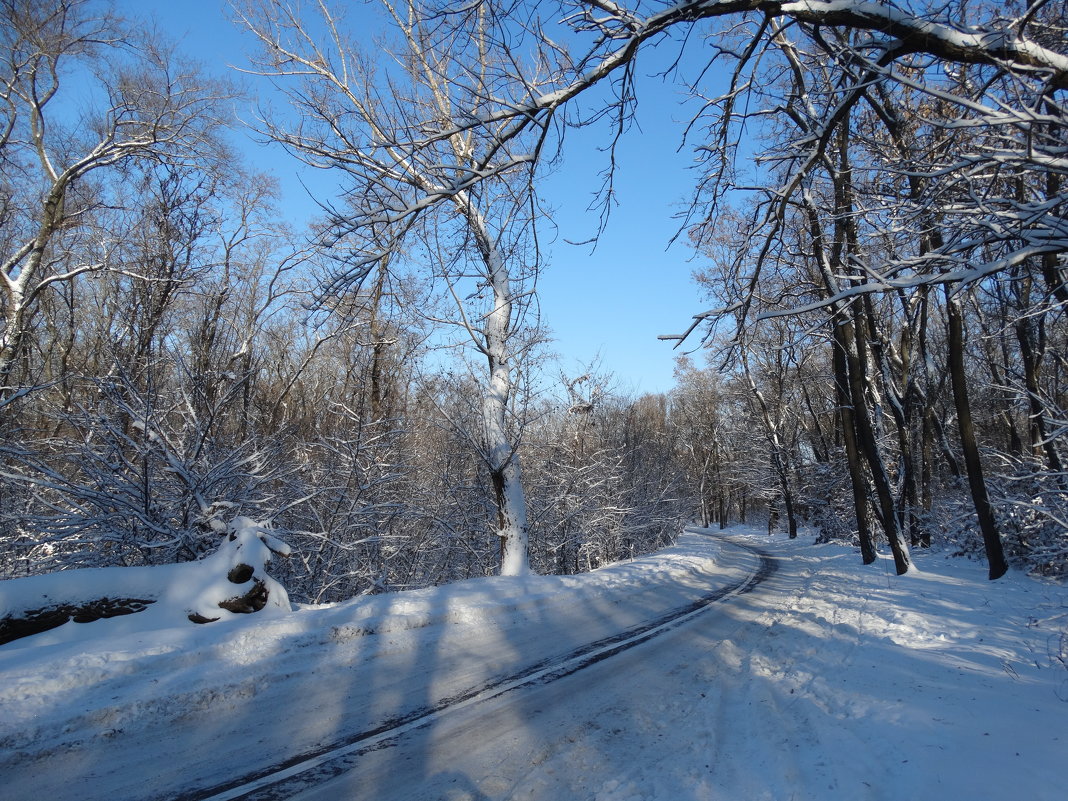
(283, 780)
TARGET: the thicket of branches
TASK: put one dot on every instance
(172, 361)
(890, 270)
(888, 343)
(903, 241)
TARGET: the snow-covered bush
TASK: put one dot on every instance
(1030, 507)
(128, 483)
(826, 500)
(603, 482)
(358, 529)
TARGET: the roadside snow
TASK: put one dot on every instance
(172, 592)
(830, 680)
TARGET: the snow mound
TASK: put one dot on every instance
(94, 603)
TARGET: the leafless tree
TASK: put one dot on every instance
(453, 199)
(144, 104)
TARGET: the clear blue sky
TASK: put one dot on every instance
(612, 302)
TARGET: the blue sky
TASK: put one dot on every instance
(610, 303)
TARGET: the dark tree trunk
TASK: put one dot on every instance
(856, 469)
(842, 336)
(991, 539)
(901, 411)
(926, 458)
(1031, 351)
(869, 446)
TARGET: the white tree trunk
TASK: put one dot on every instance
(500, 451)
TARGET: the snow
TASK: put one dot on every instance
(829, 681)
(173, 592)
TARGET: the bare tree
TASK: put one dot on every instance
(441, 199)
(144, 105)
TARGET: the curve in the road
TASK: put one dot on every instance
(279, 781)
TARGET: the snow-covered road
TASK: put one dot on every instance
(742, 569)
(553, 739)
(829, 681)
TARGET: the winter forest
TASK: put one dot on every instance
(876, 348)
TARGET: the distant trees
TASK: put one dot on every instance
(888, 335)
(727, 472)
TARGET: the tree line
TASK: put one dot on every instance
(885, 359)
(171, 360)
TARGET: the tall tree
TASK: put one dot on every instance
(420, 187)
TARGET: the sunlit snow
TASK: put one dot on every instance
(828, 681)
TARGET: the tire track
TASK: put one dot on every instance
(283, 780)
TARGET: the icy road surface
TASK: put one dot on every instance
(828, 681)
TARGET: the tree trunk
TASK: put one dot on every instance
(1031, 351)
(1052, 272)
(856, 469)
(901, 402)
(842, 337)
(991, 539)
(869, 446)
(500, 452)
(926, 458)
(378, 346)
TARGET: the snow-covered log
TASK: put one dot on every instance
(232, 580)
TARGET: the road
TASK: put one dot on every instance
(539, 732)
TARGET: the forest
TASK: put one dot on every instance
(878, 215)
